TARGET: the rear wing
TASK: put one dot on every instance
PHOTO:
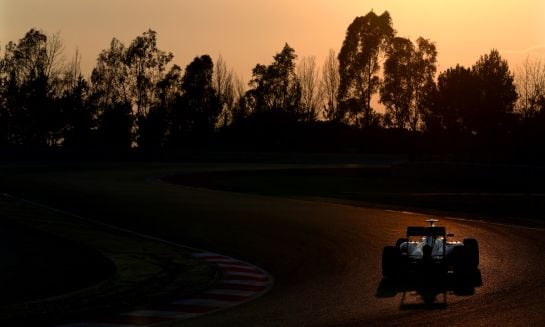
(426, 231)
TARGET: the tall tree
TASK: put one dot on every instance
(308, 73)
(72, 72)
(425, 68)
(77, 114)
(110, 77)
(111, 98)
(197, 111)
(409, 73)
(29, 70)
(530, 83)
(397, 91)
(223, 83)
(276, 87)
(4, 114)
(241, 108)
(456, 101)
(366, 38)
(154, 127)
(329, 86)
(146, 65)
(497, 93)
(128, 77)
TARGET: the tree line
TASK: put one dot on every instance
(136, 99)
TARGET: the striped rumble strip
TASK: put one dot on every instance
(241, 282)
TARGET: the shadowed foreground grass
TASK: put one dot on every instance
(68, 269)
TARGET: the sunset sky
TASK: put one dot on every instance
(247, 32)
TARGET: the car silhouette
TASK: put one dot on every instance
(429, 251)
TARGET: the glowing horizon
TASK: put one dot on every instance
(247, 32)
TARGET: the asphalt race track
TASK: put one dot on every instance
(326, 257)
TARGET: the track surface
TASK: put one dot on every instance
(326, 262)
(325, 257)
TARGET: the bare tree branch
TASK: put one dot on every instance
(308, 73)
(530, 82)
(330, 86)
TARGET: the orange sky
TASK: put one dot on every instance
(247, 32)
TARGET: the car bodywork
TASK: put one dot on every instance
(430, 250)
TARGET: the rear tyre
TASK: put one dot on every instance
(401, 241)
(466, 262)
(459, 263)
(471, 247)
(391, 261)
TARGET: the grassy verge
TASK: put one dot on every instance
(89, 269)
(509, 194)
(37, 265)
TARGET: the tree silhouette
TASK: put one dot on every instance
(455, 102)
(397, 91)
(152, 130)
(530, 82)
(276, 87)
(4, 105)
(330, 87)
(408, 80)
(8, 103)
(111, 98)
(311, 97)
(29, 71)
(195, 115)
(38, 115)
(425, 68)
(110, 77)
(477, 100)
(223, 83)
(154, 127)
(73, 101)
(366, 38)
(115, 131)
(146, 66)
(240, 110)
(129, 76)
(135, 103)
(497, 93)
(78, 116)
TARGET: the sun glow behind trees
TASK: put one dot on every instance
(139, 101)
(248, 31)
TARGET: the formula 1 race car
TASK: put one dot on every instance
(430, 250)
